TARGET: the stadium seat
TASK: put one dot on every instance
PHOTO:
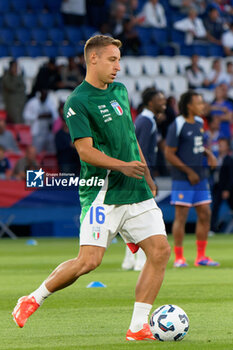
(159, 36)
(17, 51)
(186, 50)
(29, 67)
(58, 20)
(7, 36)
(74, 35)
(1, 21)
(34, 50)
(49, 163)
(201, 50)
(134, 66)
(37, 5)
(19, 5)
(182, 62)
(56, 35)
(177, 36)
(168, 65)
(216, 50)
(179, 84)
(4, 6)
(23, 35)
(151, 66)
(12, 20)
(39, 35)
(53, 5)
(46, 20)
(136, 99)
(50, 51)
(144, 82)
(144, 35)
(206, 63)
(24, 136)
(163, 83)
(4, 64)
(67, 50)
(88, 32)
(4, 51)
(150, 50)
(29, 20)
(13, 157)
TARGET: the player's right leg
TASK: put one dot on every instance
(64, 275)
(178, 232)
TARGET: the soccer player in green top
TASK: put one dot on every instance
(98, 116)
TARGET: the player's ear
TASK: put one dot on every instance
(93, 57)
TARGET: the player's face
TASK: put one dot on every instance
(196, 107)
(159, 103)
(108, 63)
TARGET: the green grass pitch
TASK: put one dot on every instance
(98, 318)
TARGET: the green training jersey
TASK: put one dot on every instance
(105, 116)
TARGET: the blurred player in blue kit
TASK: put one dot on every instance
(185, 152)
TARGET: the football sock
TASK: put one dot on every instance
(178, 252)
(41, 294)
(140, 316)
(201, 246)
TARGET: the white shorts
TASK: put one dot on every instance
(134, 222)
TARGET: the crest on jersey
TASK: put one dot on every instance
(117, 108)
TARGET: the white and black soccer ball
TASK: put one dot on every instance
(169, 323)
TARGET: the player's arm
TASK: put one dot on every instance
(170, 154)
(147, 175)
(212, 160)
(93, 156)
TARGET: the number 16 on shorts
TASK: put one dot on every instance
(97, 216)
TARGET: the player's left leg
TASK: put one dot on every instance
(202, 229)
(149, 282)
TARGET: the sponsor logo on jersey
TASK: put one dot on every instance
(117, 108)
(70, 112)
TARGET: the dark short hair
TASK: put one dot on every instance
(223, 138)
(148, 94)
(185, 99)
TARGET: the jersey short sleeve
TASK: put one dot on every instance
(76, 119)
(172, 138)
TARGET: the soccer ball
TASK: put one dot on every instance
(169, 323)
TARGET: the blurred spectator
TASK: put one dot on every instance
(6, 138)
(171, 113)
(223, 187)
(5, 167)
(192, 26)
(70, 75)
(216, 76)
(74, 12)
(195, 74)
(154, 103)
(13, 89)
(154, 15)
(222, 107)
(103, 30)
(67, 156)
(26, 163)
(81, 64)
(227, 41)
(183, 6)
(229, 67)
(211, 136)
(48, 77)
(40, 113)
(130, 39)
(117, 16)
(214, 26)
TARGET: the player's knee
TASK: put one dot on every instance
(204, 215)
(162, 253)
(89, 264)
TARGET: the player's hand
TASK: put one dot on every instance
(134, 169)
(212, 161)
(225, 194)
(193, 177)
